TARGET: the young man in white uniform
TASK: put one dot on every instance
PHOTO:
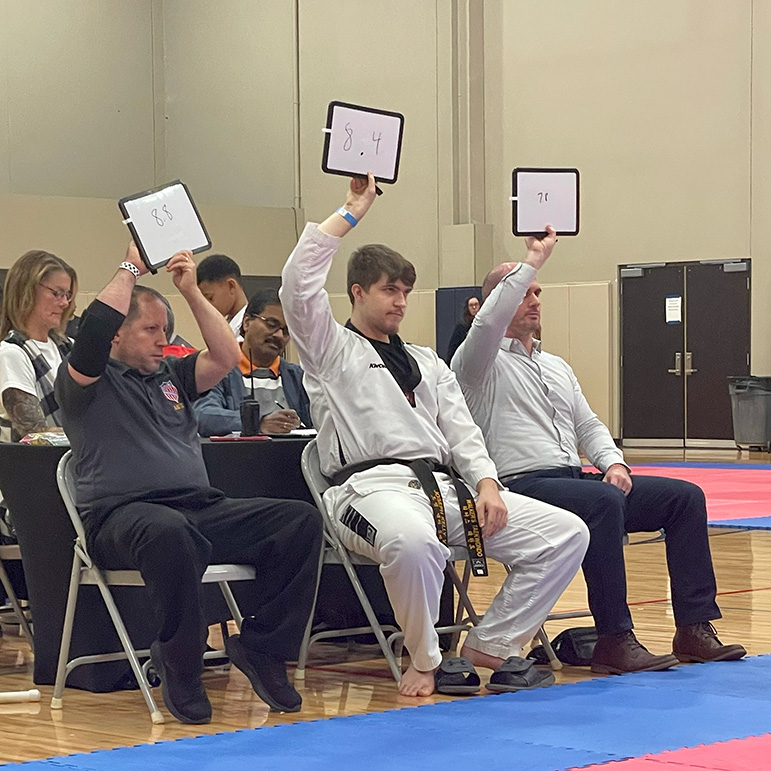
(374, 398)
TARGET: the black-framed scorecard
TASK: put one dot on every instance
(360, 139)
(163, 221)
(544, 196)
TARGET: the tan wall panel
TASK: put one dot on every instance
(88, 234)
(576, 324)
(259, 239)
(649, 100)
(419, 323)
(590, 346)
(5, 157)
(184, 323)
(78, 105)
(380, 57)
(761, 189)
(229, 99)
(555, 319)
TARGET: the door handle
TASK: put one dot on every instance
(689, 370)
(678, 368)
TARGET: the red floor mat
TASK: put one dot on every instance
(751, 754)
(731, 493)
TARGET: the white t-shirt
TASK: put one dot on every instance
(235, 324)
(16, 369)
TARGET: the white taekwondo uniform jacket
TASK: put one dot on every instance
(358, 408)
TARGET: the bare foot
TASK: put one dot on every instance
(415, 683)
(479, 659)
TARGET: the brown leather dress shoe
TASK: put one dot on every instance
(620, 653)
(699, 642)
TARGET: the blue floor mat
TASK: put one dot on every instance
(753, 523)
(549, 729)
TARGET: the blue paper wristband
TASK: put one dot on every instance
(347, 216)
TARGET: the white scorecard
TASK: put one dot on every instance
(361, 139)
(163, 221)
(544, 197)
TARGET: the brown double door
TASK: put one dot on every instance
(685, 328)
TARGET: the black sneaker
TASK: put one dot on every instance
(266, 673)
(185, 699)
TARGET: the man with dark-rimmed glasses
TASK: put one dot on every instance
(275, 382)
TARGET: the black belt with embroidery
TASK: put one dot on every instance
(424, 471)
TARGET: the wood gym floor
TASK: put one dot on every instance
(345, 682)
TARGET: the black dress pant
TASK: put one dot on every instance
(172, 536)
(654, 503)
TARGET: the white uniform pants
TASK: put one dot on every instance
(383, 514)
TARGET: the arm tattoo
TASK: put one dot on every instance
(24, 410)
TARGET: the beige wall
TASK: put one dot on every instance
(651, 101)
(351, 61)
(228, 81)
(88, 234)
(76, 97)
(665, 106)
(576, 324)
(760, 224)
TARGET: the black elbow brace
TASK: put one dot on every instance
(98, 326)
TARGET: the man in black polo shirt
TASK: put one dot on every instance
(144, 492)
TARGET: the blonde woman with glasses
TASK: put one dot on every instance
(37, 298)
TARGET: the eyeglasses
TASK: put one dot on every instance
(59, 294)
(273, 324)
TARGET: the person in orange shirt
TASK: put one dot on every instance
(274, 382)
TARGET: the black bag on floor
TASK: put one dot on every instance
(574, 646)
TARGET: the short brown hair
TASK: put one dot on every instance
(368, 263)
(147, 294)
(20, 290)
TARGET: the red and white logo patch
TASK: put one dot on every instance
(170, 391)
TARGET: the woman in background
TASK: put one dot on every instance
(461, 330)
(37, 297)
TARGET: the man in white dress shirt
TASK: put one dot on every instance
(535, 420)
(392, 424)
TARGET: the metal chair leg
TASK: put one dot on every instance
(235, 611)
(112, 609)
(64, 646)
(371, 617)
(543, 638)
(302, 659)
(17, 609)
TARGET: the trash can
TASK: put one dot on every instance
(751, 408)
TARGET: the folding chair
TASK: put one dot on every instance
(333, 552)
(13, 552)
(84, 571)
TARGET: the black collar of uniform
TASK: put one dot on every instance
(398, 360)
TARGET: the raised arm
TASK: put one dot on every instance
(304, 300)
(476, 355)
(104, 318)
(222, 352)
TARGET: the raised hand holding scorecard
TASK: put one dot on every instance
(163, 221)
(361, 139)
(544, 197)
